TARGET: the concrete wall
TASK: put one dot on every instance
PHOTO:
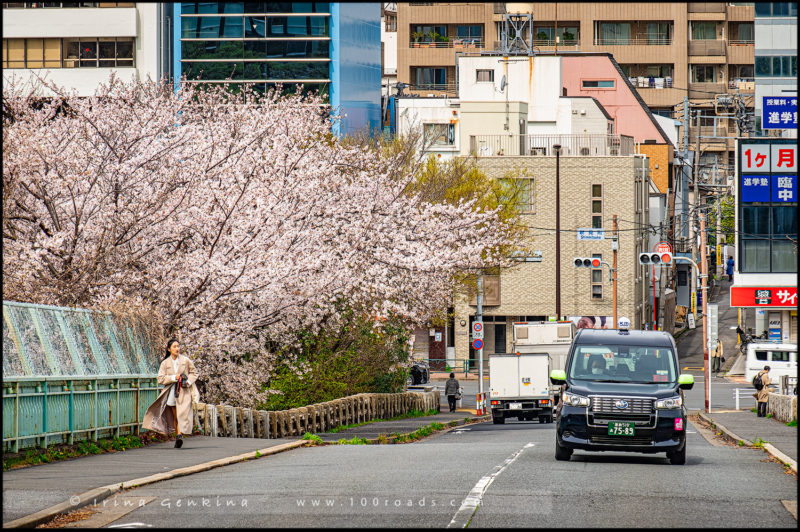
(412, 113)
(489, 118)
(782, 407)
(77, 22)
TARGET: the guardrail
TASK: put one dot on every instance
(39, 411)
(455, 43)
(542, 145)
(229, 421)
(633, 41)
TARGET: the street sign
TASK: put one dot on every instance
(662, 247)
(477, 344)
(591, 234)
(477, 330)
(713, 325)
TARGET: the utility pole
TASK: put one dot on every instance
(703, 278)
(695, 206)
(614, 247)
(479, 317)
(662, 285)
(557, 147)
(720, 248)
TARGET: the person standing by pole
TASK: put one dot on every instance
(716, 357)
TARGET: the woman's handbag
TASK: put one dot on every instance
(458, 395)
(723, 360)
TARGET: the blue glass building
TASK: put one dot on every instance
(331, 47)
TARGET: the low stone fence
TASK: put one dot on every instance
(782, 407)
(229, 421)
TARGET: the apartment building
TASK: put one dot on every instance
(510, 112)
(670, 52)
(78, 44)
(775, 62)
(330, 47)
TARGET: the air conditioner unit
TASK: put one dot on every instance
(574, 111)
(583, 111)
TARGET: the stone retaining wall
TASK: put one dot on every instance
(229, 421)
(782, 407)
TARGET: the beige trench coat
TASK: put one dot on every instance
(762, 394)
(158, 416)
(718, 351)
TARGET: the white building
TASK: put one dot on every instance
(78, 47)
(776, 57)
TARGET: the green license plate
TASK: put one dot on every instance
(620, 428)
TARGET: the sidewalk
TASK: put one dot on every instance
(35, 488)
(747, 426)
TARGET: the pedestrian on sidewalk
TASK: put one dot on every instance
(762, 395)
(729, 269)
(451, 388)
(716, 357)
(172, 410)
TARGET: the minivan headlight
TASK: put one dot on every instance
(570, 399)
(672, 402)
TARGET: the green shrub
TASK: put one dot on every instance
(316, 440)
(792, 423)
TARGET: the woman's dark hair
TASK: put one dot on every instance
(169, 344)
(452, 375)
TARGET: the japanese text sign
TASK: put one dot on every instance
(591, 234)
(779, 112)
(784, 188)
(748, 296)
(755, 188)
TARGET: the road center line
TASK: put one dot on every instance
(473, 499)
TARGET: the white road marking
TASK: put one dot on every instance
(473, 499)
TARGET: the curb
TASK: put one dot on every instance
(448, 428)
(768, 447)
(103, 492)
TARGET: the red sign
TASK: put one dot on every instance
(767, 296)
(663, 247)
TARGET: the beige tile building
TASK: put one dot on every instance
(590, 186)
(670, 51)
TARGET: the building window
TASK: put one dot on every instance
(439, 134)
(659, 33)
(597, 84)
(196, 8)
(704, 31)
(597, 279)
(597, 206)
(430, 78)
(703, 74)
(471, 32)
(518, 192)
(776, 66)
(484, 76)
(746, 33)
(658, 71)
(68, 53)
(776, 9)
(390, 23)
(614, 33)
(36, 5)
(424, 33)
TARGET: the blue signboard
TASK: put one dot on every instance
(779, 112)
(755, 188)
(591, 234)
(784, 188)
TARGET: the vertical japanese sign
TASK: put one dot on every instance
(779, 112)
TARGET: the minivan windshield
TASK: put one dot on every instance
(624, 363)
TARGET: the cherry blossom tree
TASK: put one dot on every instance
(234, 218)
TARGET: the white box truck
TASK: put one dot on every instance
(519, 386)
(551, 337)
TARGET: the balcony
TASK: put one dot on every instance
(706, 90)
(458, 44)
(707, 7)
(633, 41)
(434, 89)
(707, 47)
(743, 85)
(542, 145)
(741, 54)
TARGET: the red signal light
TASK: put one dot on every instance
(596, 263)
(666, 258)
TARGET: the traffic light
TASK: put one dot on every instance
(651, 259)
(587, 262)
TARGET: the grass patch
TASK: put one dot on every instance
(420, 433)
(452, 423)
(792, 423)
(258, 453)
(382, 439)
(759, 443)
(741, 443)
(769, 415)
(355, 440)
(754, 410)
(313, 438)
(58, 452)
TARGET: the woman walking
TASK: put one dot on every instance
(173, 407)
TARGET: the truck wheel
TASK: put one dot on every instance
(562, 453)
(498, 420)
(677, 457)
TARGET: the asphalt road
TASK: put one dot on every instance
(507, 472)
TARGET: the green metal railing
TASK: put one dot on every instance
(40, 411)
(464, 366)
(72, 374)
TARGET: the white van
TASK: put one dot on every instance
(781, 359)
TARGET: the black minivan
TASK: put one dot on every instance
(621, 391)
